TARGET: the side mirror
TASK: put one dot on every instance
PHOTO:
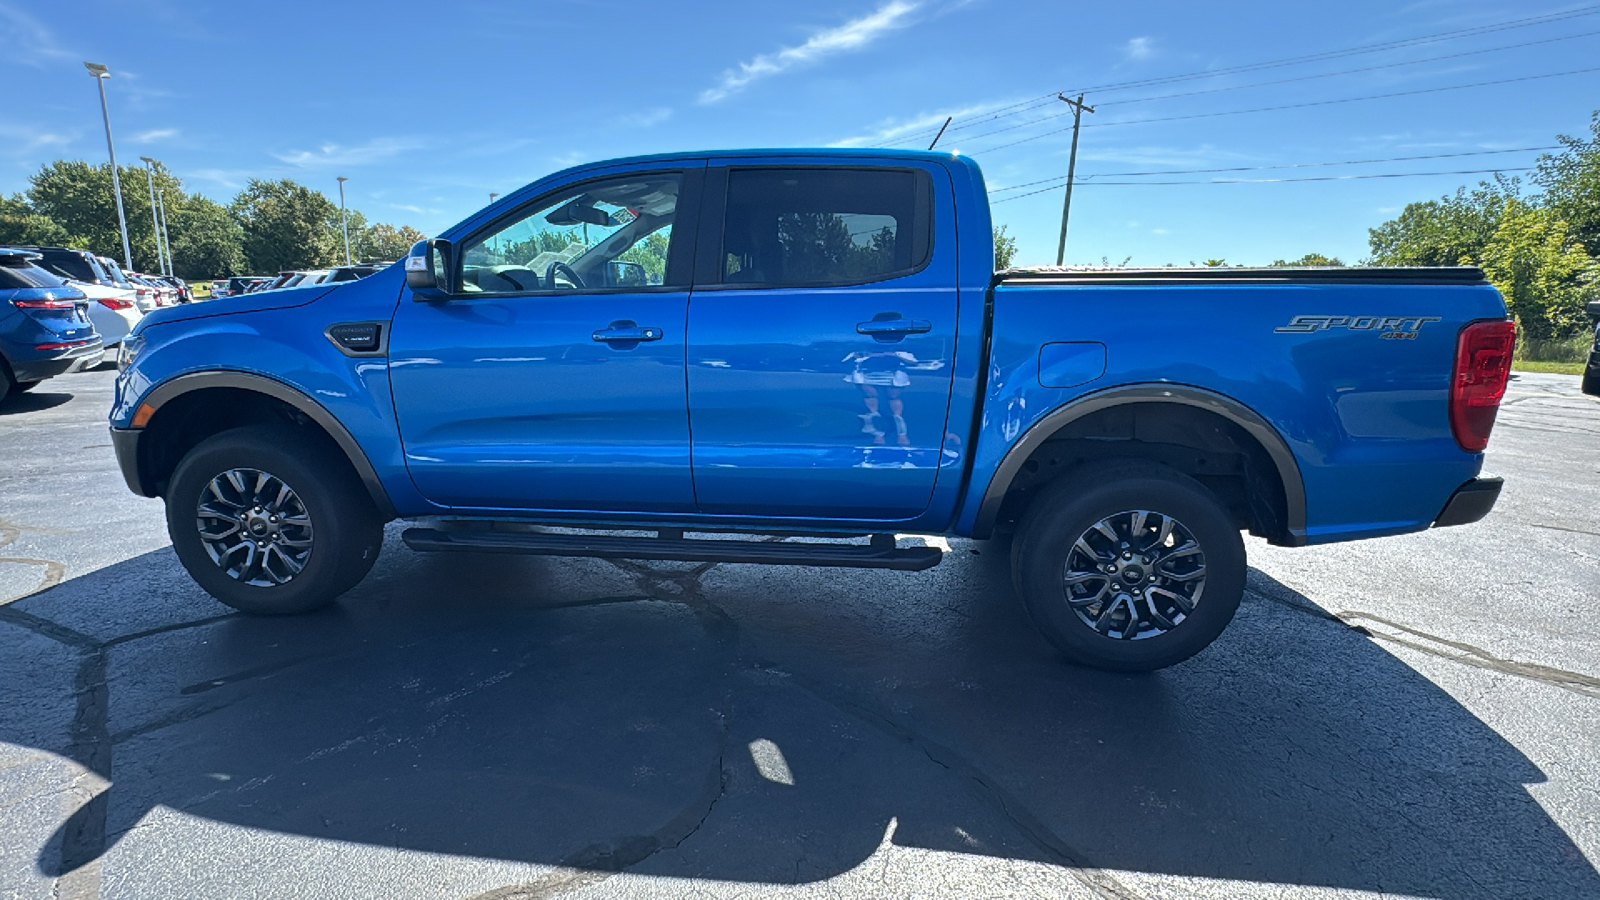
(624, 274)
(430, 269)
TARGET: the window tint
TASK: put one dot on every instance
(603, 234)
(27, 275)
(823, 226)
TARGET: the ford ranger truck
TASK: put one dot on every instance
(812, 342)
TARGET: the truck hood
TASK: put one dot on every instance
(202, 309)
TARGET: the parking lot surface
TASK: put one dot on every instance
(1416, 716)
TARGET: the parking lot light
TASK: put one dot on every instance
(344, 221)
(155, 222)
(101, 73)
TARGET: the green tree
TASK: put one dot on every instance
(206, 240)
(1310, 259)
(79, 199)
(385, 242)
(1450, 231)
(19, 224)
(286, 225)
(1571, 183)
(1542, 269)
(1005, 248)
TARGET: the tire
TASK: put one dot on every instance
(8, 385)
(1056, 578)
(1591, 381)
(324, 539)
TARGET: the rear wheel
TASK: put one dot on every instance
(271, 521)
(8, 385)
(1129, 566)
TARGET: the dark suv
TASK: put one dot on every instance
(44, 324)
(1591, 372)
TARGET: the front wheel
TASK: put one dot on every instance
(270, 521)
(1129, 566)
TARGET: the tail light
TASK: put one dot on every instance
(44, 304)
(1483, 364)
(115, 303)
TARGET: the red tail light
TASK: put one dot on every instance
(44, 304)
(115, 303)
(1483, 364)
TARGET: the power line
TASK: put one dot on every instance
(1255, 84)
(1274, 180)
(1057, 180)
(1049, 98)
(1259, 109)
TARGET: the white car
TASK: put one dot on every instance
(114, 312)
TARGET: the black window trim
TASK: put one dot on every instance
(680, 252)
(709, 262)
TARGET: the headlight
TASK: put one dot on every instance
(127, 350)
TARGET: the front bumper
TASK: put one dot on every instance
(125, 443)
(1471, 502)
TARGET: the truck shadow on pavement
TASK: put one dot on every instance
(767, 725)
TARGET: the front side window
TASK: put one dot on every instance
(614, 233)
(823, 226)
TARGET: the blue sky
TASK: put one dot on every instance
(429, 107)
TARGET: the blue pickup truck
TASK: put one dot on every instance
(812, 343)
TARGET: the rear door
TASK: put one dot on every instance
(821, 336)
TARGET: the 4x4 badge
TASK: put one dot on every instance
(1402, 328)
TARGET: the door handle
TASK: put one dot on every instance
(627, 332)
(892, 327)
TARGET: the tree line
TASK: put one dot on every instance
(269, 226)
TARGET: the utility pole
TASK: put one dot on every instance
(343, 221)
(100, 74)
(155, 221)
(1072, 163)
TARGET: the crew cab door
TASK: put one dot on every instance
(821, 337)
(553, 378)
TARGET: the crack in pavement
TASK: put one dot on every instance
(54, 570)
(1442, 647)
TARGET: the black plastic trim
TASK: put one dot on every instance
(277, 390)
(1294, 492)
(1471, 502)
(125, 444)
(1468, 275)
(880, 554)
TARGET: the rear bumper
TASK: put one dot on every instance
(50, 363)
(1471, 502)
(125, 443)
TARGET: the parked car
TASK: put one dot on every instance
(865, 373)
(242, 284)
(313, 276)
(1591, 372)
(184, 294)
(44, 324)
(354, 272)
(79, 265)
(146, 297)
(280, 280)
(219, 288)
(114, 311)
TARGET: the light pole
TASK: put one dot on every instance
(162, 199)
(492, 195)
(344, 221)
(101, 73)
(155, 221)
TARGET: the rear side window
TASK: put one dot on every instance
(791, 227)
(26, 275)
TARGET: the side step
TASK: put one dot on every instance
(880, 554)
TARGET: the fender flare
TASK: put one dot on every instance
(294, 397)
(1253, 424)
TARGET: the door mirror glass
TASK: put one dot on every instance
(620, 273)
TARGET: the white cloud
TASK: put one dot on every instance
(852, 35)
(28, 41)
(645, 118)
(154, 135)
(1139, 48)
(891, 130)
(1159, 231)
(335, 155)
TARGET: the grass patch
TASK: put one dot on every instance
(1558, 368)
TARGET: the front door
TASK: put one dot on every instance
(553, 379)
(821, 336)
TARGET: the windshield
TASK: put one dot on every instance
(115, 272)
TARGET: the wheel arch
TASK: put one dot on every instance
(1251, 424)
(165, 395)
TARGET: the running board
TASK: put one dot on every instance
(880, 554)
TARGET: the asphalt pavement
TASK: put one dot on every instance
(1415, 716)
